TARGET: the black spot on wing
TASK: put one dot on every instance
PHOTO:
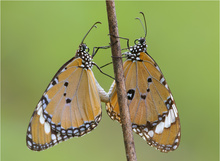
(130, 94)
(149, 79)
(68, 100)
(143, 97)
(66, 84)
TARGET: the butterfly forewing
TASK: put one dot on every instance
(69, 107)
(152, 108)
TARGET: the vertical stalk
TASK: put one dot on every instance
(120, 82)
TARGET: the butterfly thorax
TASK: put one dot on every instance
(134, 51)
(82, 53)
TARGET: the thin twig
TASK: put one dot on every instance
(120, 82)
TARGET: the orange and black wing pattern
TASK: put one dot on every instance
(152, 108)
(70, 106)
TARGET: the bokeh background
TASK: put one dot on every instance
(37, 38)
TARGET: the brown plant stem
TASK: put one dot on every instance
(120, 82)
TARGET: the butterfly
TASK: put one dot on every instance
(152, 107)
(71, 104)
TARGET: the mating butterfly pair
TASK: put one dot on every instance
(71, 104)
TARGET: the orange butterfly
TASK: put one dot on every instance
(152, 108)
(70, 106)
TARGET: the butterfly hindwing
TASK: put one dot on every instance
(152, 108)
(70, 106)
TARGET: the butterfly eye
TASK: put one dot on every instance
(139, 41)
(142, 40)
(83, 48)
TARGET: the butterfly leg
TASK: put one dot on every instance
(122, 38)
(102, 47)
(95, 49)
(105, 65)
(102, 71)
(111, 62)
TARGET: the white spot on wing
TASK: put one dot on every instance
(162, 80)
(158, 68)
(58, 137)
(175, 146)
(175, 110)
(30, 136)
(50, 87)
(129, 95)
(177, 140)
(171, 97)
(47, 127)
(42, 119)
(39, 111)
(29, 143)
(53, 137)
(39, 105)
(46, 96)
(151, 133)
(44, 106)
(147, 136)
(159, 128)
(63, 70)
(172, 117)
(167, 121)
(146, 129)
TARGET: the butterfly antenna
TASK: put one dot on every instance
(90, 30)
(143, 25)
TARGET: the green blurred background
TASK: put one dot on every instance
(39, 37)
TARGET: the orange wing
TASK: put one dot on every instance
(69, 107)
(152, 108)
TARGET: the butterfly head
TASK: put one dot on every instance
(140, 41)
(134, 51)
(83, 53)
(140, 44)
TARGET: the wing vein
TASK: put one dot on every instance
(77, 96)
(154, 84)
(61, 87)
(90, 97)
(152, 65)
